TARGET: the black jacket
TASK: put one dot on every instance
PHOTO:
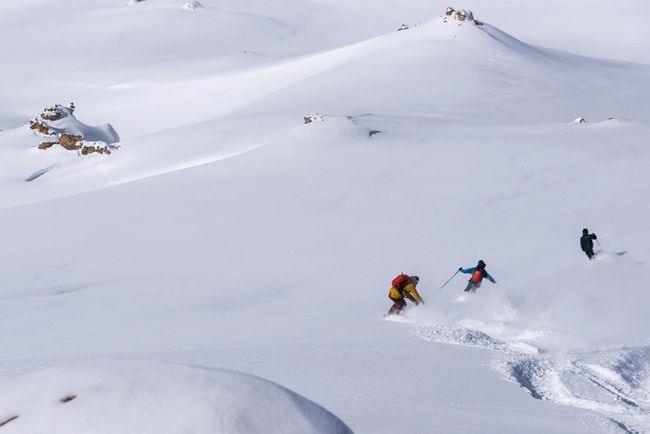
(587, 242)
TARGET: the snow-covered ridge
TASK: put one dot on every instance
(282, 160)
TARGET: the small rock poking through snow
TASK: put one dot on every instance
(192, 5)
(313, 118)
(153, 398)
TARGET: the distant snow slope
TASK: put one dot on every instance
(442, 69)
(228, 233)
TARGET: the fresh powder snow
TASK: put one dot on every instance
(204, 240)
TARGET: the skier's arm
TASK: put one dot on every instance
(593, 236)
(467, 270)
(490, 278)
(413, 294)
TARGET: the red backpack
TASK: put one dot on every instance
(400, 281)
(477, 276)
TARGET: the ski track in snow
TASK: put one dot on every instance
(612, 382)
(470, 126)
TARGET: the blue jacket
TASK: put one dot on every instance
(484, 274)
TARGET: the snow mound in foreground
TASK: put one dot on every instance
(138, 397)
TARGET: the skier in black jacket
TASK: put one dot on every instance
(587, 243)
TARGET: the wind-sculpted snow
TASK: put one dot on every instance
(612, 382)
(461, 336)
(154, 398)
(230, 232)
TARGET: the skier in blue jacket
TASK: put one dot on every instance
(478, 274)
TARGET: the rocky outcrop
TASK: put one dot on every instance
(313, 118)
(85, 150)
(59, 124)
(461, 15)
(40, 127)
(57, 112)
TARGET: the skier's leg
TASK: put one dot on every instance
(398, 306)
(471, 287)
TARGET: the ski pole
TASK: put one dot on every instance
(450, 279)
(598, 241)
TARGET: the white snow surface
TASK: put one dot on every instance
(118, 396)
(225, 233)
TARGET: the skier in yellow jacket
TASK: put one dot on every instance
(404, 286)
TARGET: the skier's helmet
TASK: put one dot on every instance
(585, 231)
(481, 264)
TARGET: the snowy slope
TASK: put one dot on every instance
(227, 233)
(478, 72)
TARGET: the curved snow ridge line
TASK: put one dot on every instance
(470, 337)
(345, 125)
(208, 159)
(238, 89)
(609, 383)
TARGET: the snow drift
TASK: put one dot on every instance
(276, 175)
(151, 398)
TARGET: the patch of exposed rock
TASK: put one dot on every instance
(46, 145)
(85, 150)
(50, 114)
(71, 142)
(461, 15)
(40, 127)
(313, 118)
